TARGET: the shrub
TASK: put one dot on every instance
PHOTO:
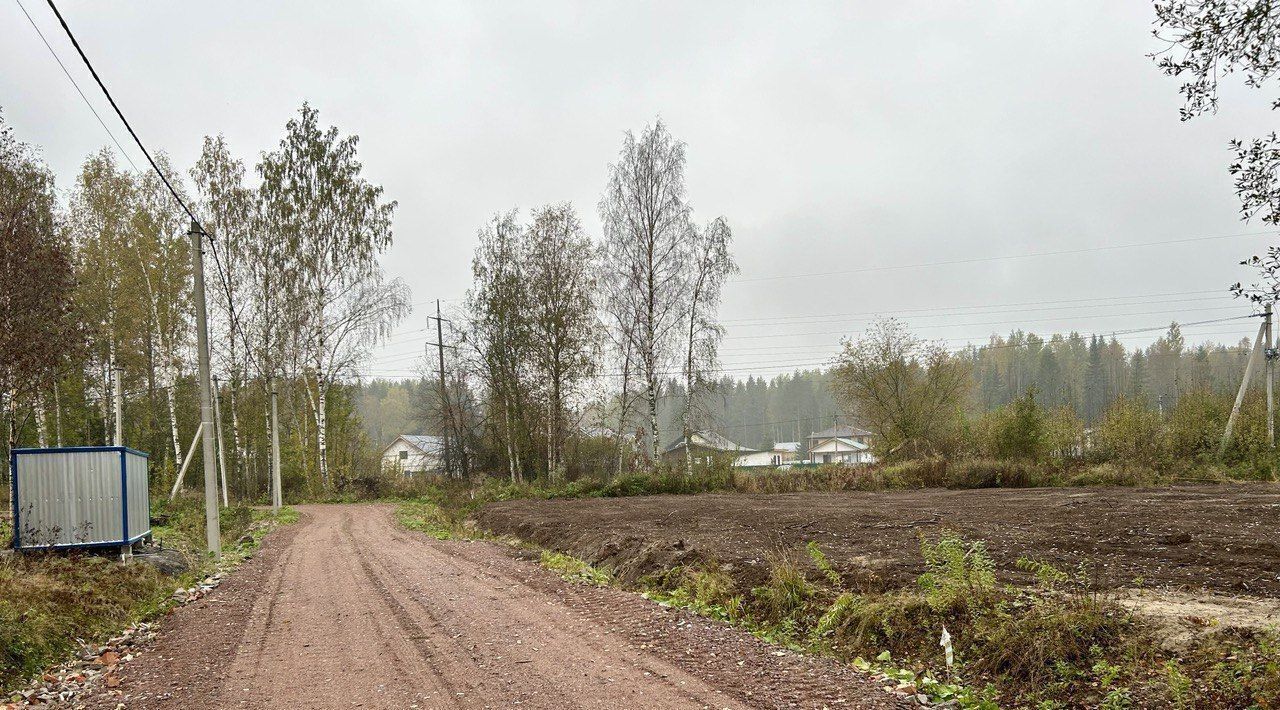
(1129, 433)
(1020, 429)
(1194, 427)
(786, 599)
(959, 572)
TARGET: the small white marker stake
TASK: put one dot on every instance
(945, 643)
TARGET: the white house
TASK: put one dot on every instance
(705, 448)
(841, 444)
(782, 452)
(412, 454)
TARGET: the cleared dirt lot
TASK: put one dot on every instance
(1223, 538)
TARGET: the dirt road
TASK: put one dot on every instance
(347, 610)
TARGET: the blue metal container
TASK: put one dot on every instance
(81, 496)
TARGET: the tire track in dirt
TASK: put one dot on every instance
(559, 636)
(347, 610)
(414, 632)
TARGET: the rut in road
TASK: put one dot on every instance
(348, 610)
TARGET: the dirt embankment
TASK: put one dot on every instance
(1223, 538)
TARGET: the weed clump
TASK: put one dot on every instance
(572, 569)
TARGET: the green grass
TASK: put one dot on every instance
(1053, 644)
(48, 600)
(428, 517)
(572, 569)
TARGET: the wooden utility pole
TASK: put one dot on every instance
(213, 531)
(1254, 355)
(444, 392)
(277, 497)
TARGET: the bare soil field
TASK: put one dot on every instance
(1219, 538)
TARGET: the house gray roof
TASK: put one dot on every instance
(425, 444)
(792, 446)
(710, 440)
(840, 431)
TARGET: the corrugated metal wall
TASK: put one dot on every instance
(70, 497)
(139, 497)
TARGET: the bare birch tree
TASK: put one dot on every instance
(710, 264)
(617, 317)
(647, 228)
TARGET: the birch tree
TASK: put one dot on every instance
(560, 279)
(226, 208)
(334, 225)
(710, 264)
(1205, 42)
(647, 226)
(500, 332)
(619, 316)
(99, 221)
(159, 259)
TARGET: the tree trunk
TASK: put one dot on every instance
(171, 396)
(42, 423)
(511, 455)
(653, 420)
(12, 409)
(104, 407)
(57, 414)
(322, 431)
(237, 446)
(688, 391)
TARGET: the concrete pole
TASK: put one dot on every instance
(1270, 371)
(222, 456)
(213, 531)
(1244, 386)
(117, 376)
(277, 496)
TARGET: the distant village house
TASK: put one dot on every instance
(414, 455)
(706, 448)
(841, 444)
(783, 452)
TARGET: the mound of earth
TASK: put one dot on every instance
(1221, 538)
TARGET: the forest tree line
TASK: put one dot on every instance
(98, 281)
(1086, 374)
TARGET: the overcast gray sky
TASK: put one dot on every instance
(832, 136)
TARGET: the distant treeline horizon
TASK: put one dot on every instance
(1086, 373)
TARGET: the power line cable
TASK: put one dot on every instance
(75, 43)
(793, 364)
(195, 221)
(915, 313)
(953, 325)
(979, 259)
(124, 154)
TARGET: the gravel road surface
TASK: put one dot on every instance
(347, 610)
